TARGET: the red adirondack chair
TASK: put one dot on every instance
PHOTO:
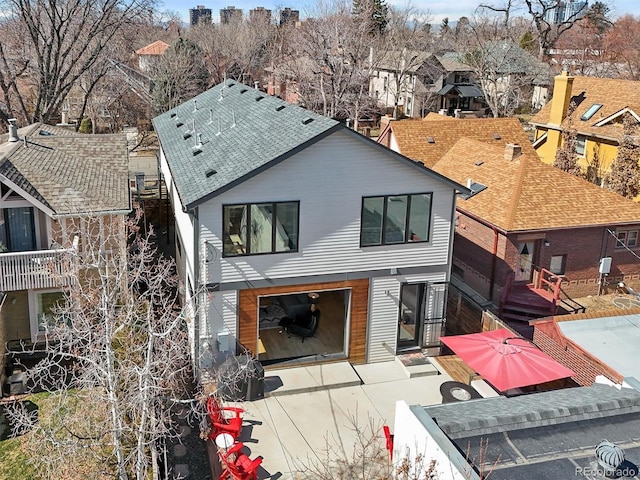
(221, 423)
(237, 465)
(389, 440)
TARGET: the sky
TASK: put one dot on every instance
(437, 9)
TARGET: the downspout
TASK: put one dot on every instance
(494, 253)
(197, 293)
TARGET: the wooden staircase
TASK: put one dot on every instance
(524, 302)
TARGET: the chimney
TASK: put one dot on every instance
(512, 151)
(562, 86)
(13, 130)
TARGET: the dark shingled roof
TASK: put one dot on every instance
(67, 172)
(502, 414)
(242, 131)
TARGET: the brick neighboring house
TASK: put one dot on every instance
(429, 139)
(533, 216)
(600, 104)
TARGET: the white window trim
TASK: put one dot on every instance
(33, 311)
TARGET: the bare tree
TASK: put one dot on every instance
(63, 39)
(331, 65)
(505, 72)
(623, 41)
(566, 157)
(116, 359)
(179, 75)
(541, 12)
(549, 30)
(624, 175)
(236, 50)
(403, 50)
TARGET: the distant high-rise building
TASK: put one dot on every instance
(567, 11)
(287, 15)
(260, 14)
(199, 15)
(229, 13)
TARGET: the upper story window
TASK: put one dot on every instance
(394, 219)
(255, 228)
(581, 142)
(627, 238)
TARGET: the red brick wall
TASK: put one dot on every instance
(549, 338)
(584, 247)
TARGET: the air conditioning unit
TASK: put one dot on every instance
(224, 341)
(207, 352)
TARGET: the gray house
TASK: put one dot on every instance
(281, 212)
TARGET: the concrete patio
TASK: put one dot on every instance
(306, 407)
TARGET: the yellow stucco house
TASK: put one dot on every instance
(600, 104)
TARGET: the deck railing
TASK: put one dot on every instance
(36, 269)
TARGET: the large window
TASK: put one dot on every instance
(251, 229)
(395, 219)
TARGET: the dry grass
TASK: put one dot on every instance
(608, 302)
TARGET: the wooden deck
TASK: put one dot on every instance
(457, 369)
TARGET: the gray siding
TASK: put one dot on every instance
(329, 179)
(384, 309)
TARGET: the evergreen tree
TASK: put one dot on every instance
(375, 12)
(528, 42)
(624, 176)
(598, 16)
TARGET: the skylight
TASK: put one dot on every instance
(591, 111)
(431, 140)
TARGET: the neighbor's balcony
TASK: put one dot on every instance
(36, 269)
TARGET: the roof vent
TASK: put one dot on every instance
(496, 136)
(210, 116)
(210, 173)
(173, 114)
(281, 107)
(195, 105)
(179, 122)
(189, 132)
(259, 98)
(478, 163)
(609, 456)
(307, 121)
(197, 148)
(244, 90)
(431, 140)
(13, 130)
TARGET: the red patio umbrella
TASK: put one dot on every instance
(505, 360)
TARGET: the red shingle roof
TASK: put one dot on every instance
(526, 194)
(156, 48)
